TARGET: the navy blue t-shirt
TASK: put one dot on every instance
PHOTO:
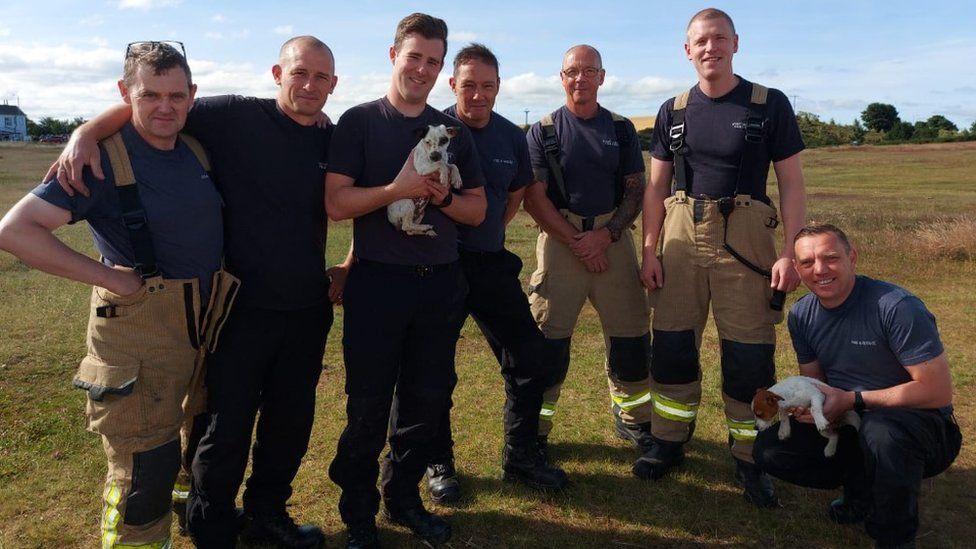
(505, 163)
(270, 171)
(370, 145)
(589, 154)
(866, 342)
(715, 139)
(182, 208)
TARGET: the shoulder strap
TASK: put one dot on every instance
(621, 126)
(550, 142)
(755, 134)
(677, 133)
(197, 149)
(133, 215)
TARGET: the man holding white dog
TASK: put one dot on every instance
(878, 349)
(404, 296)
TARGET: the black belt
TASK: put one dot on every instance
(419, 271)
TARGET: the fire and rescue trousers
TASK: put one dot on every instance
(144, 376)
(698, 270)
(558, 289)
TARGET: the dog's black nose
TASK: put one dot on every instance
(435, 156)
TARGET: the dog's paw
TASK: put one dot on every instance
(784, 430)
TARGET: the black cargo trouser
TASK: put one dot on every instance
(501, 310)
(400, 329)
(270, 361)
(883, 464)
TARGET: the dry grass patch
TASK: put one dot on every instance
(947, 237)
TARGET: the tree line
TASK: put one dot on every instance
(52, 126)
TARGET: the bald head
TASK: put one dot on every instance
(579, 50)
(293, 46)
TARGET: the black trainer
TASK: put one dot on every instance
(279, 530)
(660, 458)
(430, 528)
(757, 486)
(639, 433)
(846, 510)
(363, 536)
(442, 482)
(525, 464)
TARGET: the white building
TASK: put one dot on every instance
(13, 123)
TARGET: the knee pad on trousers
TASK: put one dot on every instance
(557, 350)
(153, 474)
(674, 357)
(747, 367)
(628, 357)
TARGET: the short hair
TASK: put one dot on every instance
(305, 40)
(599, 58)
(427, 26)
(475, 52)
(711, 13)
(158, 56)
(815, 229)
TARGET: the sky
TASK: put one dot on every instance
(831, 58)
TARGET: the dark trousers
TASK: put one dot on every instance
(268, 360)
(881, 465)
(501, 310)
(400, 329)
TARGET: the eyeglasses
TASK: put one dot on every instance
(153, 44)
(574, 73)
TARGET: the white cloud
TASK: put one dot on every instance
(4, 31)
(463, 36)
(218, 18)
(147, 4)
(283, 29)
(99, 41)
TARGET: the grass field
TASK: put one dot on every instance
(911, 211)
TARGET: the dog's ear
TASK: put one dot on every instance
(452, 131)
(420, 132)
(761, 389)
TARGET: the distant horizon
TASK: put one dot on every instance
(831, 58)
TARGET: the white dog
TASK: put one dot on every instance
(429, 156)
(792, 392)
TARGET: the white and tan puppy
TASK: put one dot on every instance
(792, 392)
(429, 156)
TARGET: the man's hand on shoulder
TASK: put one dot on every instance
(80, 151)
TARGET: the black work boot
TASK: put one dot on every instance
(542, 448)
(430, 528)
(363, 536)
(525, 464)
(442, 481)
(661, 457)
(757, 486)
(179, 511)
(639, 433)
(279, 530)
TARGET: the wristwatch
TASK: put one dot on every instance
(447, 200)
(858, 402)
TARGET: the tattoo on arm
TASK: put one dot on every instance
(630, 205)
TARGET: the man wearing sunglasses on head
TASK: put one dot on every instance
(156, 220)
(269, 159)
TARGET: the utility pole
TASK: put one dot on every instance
(526, 117)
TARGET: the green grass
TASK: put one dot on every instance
(51, 470)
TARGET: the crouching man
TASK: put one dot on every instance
(156, 221)
(878, 348)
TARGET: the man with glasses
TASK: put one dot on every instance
(269, 159)
(156, 220)
(589, 179)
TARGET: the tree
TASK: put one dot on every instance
(880, 117)
(938, 122)
(972, 129)
(857, 132)
(924, 132)
(902, 131)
